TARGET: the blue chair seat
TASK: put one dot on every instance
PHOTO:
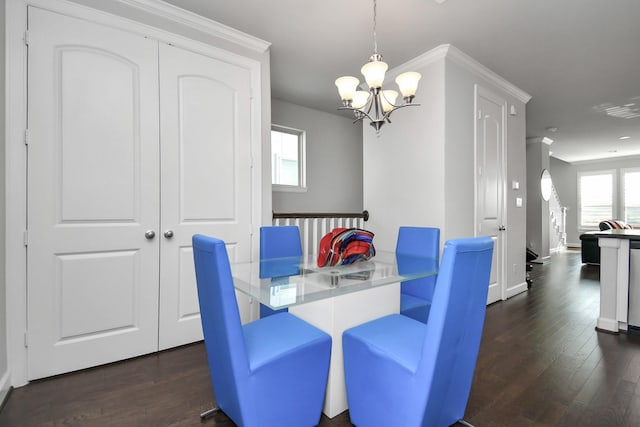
(415, 307)
(394, 337)
(265, 341)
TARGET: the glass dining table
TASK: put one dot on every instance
(332, 298)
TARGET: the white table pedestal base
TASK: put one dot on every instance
(334, 315)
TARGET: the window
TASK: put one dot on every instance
(595, 198)
(631, 196)
(287, 159)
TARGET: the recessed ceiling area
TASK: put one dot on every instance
(578, 59)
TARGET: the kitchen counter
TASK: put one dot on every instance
(630, 234)
(614, 278)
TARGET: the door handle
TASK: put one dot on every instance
(168, 234)
(502, 228)
(150, 234)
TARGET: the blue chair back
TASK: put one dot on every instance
(423, 242)
(278, 241)
(454, 330)
(221, 324)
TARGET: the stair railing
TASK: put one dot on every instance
(315, 225)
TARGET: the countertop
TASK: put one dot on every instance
(631, 234)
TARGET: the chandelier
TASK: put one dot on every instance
(376, 104)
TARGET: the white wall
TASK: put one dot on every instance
(537, 208)
(404, 166)
(334, 161)
(565, 179)
(516, 217)
(459, 151)
(461, 78)
(4, 374)
(421, 170)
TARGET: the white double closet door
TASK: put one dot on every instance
(134, 146)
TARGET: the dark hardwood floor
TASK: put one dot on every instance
(541, 363)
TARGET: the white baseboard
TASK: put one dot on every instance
(5, 385)
(517, 289)
(610, 325)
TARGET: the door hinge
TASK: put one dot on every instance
(27, 137)
(26, 38)
(26, 339)
(26, 237)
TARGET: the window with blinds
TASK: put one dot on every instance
(631, 196)
(596, 198)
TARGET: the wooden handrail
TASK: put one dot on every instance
(364, 215)
(314, 225)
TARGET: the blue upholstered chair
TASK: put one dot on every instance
(271, 372)
(280, 241)
(416, 295)
(417, 374)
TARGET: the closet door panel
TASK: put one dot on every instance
(205, 117)
(93, 192)
(206, 110)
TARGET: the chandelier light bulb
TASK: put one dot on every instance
(347, 87)
(408, 84)
(360, 99)
(388, 100)
(374, 72)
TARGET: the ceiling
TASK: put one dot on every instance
(578, 59)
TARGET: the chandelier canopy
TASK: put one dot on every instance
(376, 104)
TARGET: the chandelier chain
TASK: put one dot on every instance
(375, 40)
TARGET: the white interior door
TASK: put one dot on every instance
(205, 136)
(93, 189)
(490, 131)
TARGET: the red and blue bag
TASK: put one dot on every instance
(345, 246)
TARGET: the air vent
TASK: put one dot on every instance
(627, 111)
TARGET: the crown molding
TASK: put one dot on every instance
(451, 52)
(427, 58)
(633, 157)
(198, 22)
(465, 60)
